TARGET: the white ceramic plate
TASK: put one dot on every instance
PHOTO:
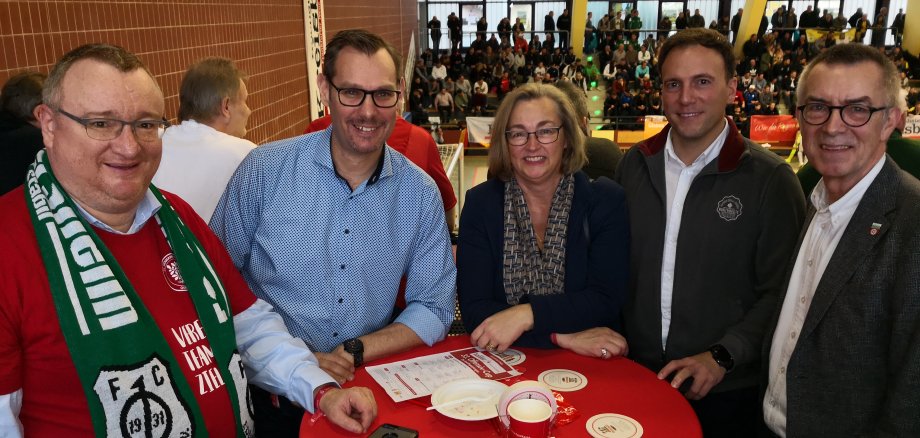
(469, 410)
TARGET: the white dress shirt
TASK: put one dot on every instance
(480, 89)
(818, 246)
(439, 72)
(610, 71)
(678, 177)
(197, 163)
(645, 55)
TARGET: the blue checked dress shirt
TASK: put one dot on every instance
(330, 259)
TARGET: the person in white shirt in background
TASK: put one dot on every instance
(439, 72)
(645, 54)
(540, 69)
(610, 72)
(201, 154)
(519, 60)
(480, 92)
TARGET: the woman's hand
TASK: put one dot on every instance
(599, 342)
(500, 330)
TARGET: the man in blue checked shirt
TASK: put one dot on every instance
(325, 225)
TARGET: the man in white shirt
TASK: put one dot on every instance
(201, 154)
(714, 219)
(540, 69)
(844, 358)
(439, 72)
(519, 60)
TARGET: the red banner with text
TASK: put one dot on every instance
(773, 128)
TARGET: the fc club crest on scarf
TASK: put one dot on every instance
(729, 208)
(171, 273)
(142, 401)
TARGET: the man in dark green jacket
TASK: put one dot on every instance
(714, 218)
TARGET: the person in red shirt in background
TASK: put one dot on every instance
(519, 42)
(419, 147)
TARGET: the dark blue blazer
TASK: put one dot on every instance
(596, 262)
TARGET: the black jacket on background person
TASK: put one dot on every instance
(564, 22)
(809, 19)
(855, 18)
(603, 157)
(696, 21)
(549, 24)
(19, 142)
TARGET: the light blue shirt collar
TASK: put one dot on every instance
(323, 157)
(148, 207)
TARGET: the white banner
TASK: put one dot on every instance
(315, 35)
(912, 127)
(479, 130)
(407, 71)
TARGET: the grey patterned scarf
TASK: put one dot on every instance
(526, 269)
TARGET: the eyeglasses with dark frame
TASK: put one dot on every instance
(543, 135)
(146, 131)
(853, 115)
(355, 96)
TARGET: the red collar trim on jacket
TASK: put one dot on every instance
(729, 157)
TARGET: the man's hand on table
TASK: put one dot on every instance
(339, 364)
(500, 330)
(600, 342)
(352, 409)
(702, 367)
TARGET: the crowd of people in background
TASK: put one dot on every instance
(621, 58)
(701, 250)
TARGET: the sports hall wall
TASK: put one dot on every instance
(265, 38)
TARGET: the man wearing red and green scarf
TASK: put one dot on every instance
(121, 314)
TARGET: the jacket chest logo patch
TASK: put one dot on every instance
(729, 208)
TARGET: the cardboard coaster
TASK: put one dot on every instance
(563, 380)
(613, 426)
(511, 357)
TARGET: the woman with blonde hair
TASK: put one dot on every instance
(544, 252)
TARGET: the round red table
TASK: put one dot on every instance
(618, 386)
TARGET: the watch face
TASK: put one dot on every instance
(722, 356)
(353, 346)
(356, 348)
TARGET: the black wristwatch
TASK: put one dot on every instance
(356, 348)
(722, 357)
